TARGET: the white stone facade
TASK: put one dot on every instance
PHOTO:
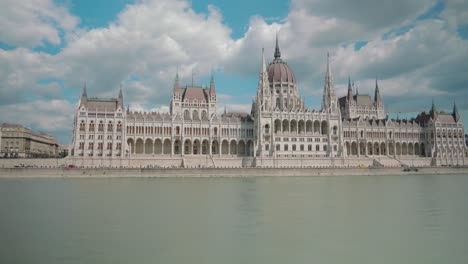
(279, 132)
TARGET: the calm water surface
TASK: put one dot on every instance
(380, 219)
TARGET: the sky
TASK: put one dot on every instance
(418, 50)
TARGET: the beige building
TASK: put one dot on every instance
(22, 142)
(279, 131)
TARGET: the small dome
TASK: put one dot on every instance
(279, 71)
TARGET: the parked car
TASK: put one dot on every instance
(72, 166)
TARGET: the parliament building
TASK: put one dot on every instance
(279, 131)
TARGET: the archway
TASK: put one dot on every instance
(362, 148)
(348, 148)
(316, 127)
(369, 149)
(285, 125)
(309, 126)
(225, 147)
(131, 145)
(241, 148)
(293, 126)
(391, 151)
(376, 149)
(233, 147)
(148, 146)
(177, 147)
(398, 148)
(139, 146)
(250, 148)
(167, 146)
(187, 147)
(383, 149)
(324, 129)
(354, 149)
(205, 147)
(215, 147)
(158, 146)
(404, 149)
(277, 126)
(196, 147)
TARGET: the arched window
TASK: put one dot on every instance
(267, 129)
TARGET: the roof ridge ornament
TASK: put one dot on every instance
(277, 49)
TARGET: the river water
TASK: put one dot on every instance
(353, 219)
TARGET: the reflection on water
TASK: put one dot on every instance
(357, 219)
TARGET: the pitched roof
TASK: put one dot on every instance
(195, 93)
(96, 104)
(445, 118)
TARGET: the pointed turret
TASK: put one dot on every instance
(455, 113)
(84, 96)
(377, 98)
(350, 90)
(329, 98)
(177, 85)
(120, 99)
(264, 69)
(433, 111)
(277, 50)
(212, 86)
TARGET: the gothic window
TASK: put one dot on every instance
(294, 147)
(317, 147)
(101, 126)
(187, 115)
(302, 148)
(195, 115)
(309, 147)
(267, 129)
(286, 147)
(82, 125)
(91, 126)
(119, 126)
(278, 146)
(109, 126)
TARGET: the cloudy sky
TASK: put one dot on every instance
(48, 49)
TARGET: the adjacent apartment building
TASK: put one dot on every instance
(17, 141)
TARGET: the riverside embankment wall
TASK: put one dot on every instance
(215, 172)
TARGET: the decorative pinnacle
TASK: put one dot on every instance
(85, 94)
(277, 50)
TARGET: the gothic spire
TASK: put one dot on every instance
(176, 83)
(377, 98)
(455, 113)
(350, 89)
(329, 98)
(212, 85)
(85, 94)
(433, 111)
(277, 50)
(120, 92)
(263, 60)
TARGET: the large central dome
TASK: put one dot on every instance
(278, 70)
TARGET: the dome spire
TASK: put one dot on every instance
(277, 50)
(455, 113)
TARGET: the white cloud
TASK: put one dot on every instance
(142, 48)
(30, 23)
